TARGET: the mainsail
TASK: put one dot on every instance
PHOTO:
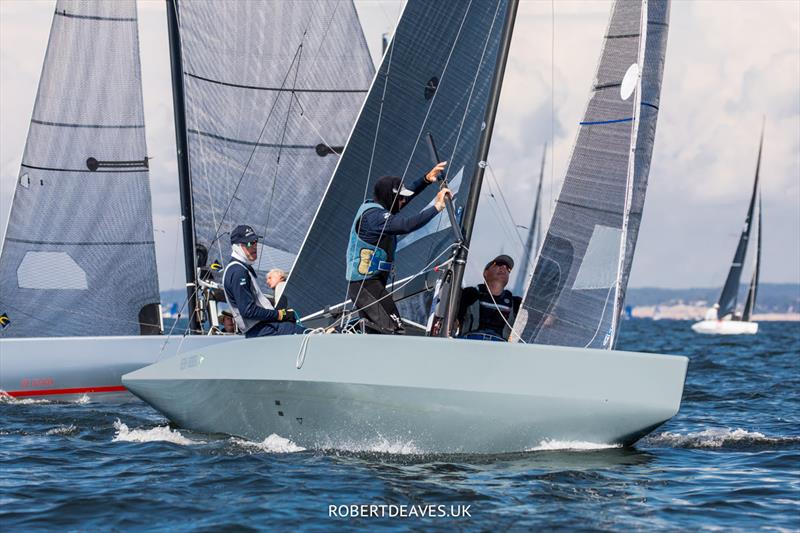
(730, 291)
(435, 77)
(78, 256)
(578, 285)
(272, 91)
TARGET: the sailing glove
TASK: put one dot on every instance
(287, 315)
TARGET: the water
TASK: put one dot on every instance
(730, 460)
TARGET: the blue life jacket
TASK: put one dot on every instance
(365, 260)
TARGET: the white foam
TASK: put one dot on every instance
(83, 400)
(571, 445)
(7, 398)
(156, 434)
(710, 438)
(272, 444)
(379, 444)
(62, 430)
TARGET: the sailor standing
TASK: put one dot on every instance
(252, 311)
(373, 239)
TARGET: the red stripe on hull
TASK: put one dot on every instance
(52, 392)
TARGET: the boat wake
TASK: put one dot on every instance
(378, 445)
(156, 434)
(8, 399)
(718, 438)
(571, 446)
(272, 444)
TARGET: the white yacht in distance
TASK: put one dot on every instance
(722, 318)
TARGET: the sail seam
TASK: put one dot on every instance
(95, 17)
(60, 243)
(607, 86)
(274, 89)
(250, 143)
(97, 126)
(53, 169)
(623, 36)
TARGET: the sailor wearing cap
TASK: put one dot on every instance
(253, 313)
(487, 311)
(373, 238)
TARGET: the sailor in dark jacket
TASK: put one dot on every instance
(253, 313)
(487, 312)
(373, 239)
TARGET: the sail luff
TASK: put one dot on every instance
(730, 291)
(623, 241)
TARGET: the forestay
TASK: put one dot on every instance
(78, 256)
(272, 91)
(578, 286)
(435, 77)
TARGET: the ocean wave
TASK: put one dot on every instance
(571, 445)
(62, 430)
(8, 399)
(272, 444)
(717, 438)
(378, 444)
(156, 434)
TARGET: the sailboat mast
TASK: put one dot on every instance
(471, 205)
(534, 232)
(184, 179)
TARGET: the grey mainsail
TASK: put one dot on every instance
(272, 91)
(730, 291)
(78, 256)
(435, 77)
(578, 285)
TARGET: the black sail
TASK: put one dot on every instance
(730, 291)
(435, 77)
(752, 291)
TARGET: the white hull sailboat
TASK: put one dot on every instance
(442, 395)
(422, 394)
(722, 319)
(79, 305)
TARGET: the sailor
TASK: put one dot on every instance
(487, 311)
(276, 280)
(253, 313)
(373, 239)
(226, 325)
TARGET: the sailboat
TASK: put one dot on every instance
(722, 318)
(260, 89)
(442, 394)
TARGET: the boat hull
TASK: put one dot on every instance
(65, 368)
(725, 327)
(424, 395)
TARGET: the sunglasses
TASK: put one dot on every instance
(251, 243)
(503, 265)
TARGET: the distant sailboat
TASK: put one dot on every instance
(722, 318)
(534, 238)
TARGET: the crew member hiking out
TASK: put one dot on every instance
(254, 314)
(373, 239)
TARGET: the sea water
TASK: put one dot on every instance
(729, 460)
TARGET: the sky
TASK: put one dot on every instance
(728, 64)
